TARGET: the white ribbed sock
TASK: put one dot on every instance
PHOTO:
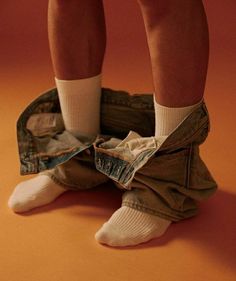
(168, 118)
(34, 192)
(128, 227)
(80, 104)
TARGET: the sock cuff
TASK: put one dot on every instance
(96, 77)
(187, 108)
(168, 118)
(91, 84)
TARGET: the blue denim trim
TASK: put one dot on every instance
(30, 158)
(112, 167)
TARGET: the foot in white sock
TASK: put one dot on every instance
(35, 192)
(128, 227)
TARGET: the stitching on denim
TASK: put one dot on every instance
(188, 165)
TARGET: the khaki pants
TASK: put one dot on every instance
(161, 175)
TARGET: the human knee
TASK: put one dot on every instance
(72, 7)
(68, 8)
(169, 4)
(145, 1)
(63, 7)
(156, 8)
(149, 3)
(70, 3)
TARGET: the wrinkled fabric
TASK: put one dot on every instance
(160, 175)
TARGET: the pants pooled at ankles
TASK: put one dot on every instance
(160, 175)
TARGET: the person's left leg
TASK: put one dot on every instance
(177, 35)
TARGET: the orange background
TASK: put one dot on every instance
(56, 242)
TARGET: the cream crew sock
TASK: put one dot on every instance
(168, 118)
(80, 105)
(127, 226)
(34, 192)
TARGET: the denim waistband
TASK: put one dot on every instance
(126, 141)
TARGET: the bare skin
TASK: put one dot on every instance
(77, 37)
(177, 35)
(178, 40)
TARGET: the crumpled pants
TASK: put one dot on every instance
(162, 175)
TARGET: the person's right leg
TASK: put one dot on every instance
(77, 37)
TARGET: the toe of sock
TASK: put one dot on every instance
(33, 193)
(15, 205)
(102, 235)
(129, 227)
(107, 235)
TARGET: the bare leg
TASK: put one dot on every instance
(77, 37)
(177, 35)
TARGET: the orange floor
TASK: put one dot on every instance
(56, 242)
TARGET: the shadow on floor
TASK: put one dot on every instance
(103, 199)
(214, 229)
